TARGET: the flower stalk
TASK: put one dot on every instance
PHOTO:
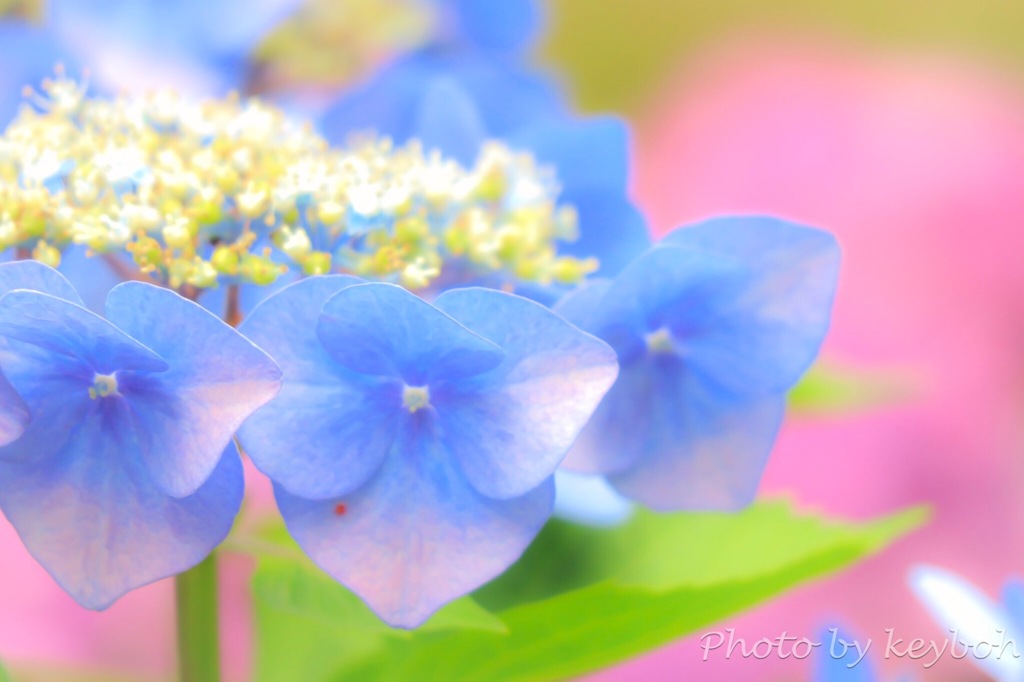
(198, 634)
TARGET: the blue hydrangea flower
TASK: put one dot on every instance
(127, 472)
(712, 327)
(477, 49)
(993, 631)
(592, 159)
(396, 101)
(498, 28)
(197, 47)
(839, 660)
(412, 446)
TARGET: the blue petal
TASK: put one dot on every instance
(754, 323)
(387, 105)
(92, 277)
(506, 98)
(665, 283)
(671, 439)
(218, 34)
(836, 660)
(132, 44)
(584, 306)
(234, 26)
(34, 276)
(448, 121)
(64, 328)
(100, 526)
(55, 387)
(417, 535)
(503, 26)
(28, 55)
(1013, 600)
(382, 329)
(14, 414)
(588, 154)
(329, 428)
(611, 229)
(589, 500)
(767, 330)
(510, 428)
(186, 416)
(956, 604)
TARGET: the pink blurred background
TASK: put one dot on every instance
(915, 159)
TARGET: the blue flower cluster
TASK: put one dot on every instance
(413, 441)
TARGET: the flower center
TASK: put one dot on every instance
(103, 386)
(179, 185)
(415, 398)
(660, 342)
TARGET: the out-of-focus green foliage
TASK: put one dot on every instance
(333, 43)
(617, 54)
(580, 598)
(833, 390)
(31, 9)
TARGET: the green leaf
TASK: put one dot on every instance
(286, 585)
(579, 599)
(4, 676)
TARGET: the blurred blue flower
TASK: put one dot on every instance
(495, 27)
(839, 659)
(28, 54)
(413, 445)
(591, 156)
(477, 51)
(992, 631)
(127, 472)
(589, 500)
(196, 47)
(495, 98)
(712, 327)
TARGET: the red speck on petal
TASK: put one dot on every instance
(340, 509)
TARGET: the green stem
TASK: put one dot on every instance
(198, 655)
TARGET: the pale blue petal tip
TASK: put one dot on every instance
(589, 500)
